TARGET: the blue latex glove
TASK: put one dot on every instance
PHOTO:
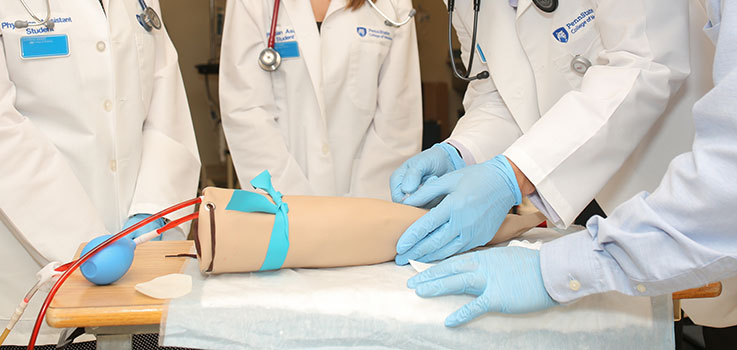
(477, 199)
(436, 161)
(154, 225)
(506, 280)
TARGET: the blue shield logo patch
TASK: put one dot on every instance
(561, 34)
(361, 31)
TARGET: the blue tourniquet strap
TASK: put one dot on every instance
(250, 202)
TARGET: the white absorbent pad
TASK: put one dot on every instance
(370, 307)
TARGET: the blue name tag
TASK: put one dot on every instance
(43, 46)
(287, 49)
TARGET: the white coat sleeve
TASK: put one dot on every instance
(683, 234)
(644, 60)
(395, 133)
(248, 105)
(39, 192)
(484, 109)
(170, 164)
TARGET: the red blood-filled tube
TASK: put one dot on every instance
(75, 264)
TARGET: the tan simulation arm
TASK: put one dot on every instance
(323, 232)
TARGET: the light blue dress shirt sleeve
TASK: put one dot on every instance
(684, 234)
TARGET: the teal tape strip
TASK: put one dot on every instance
(250, 202)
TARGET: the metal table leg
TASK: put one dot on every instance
(119, 337)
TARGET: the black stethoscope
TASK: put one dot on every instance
(544, 5)
(269, 59)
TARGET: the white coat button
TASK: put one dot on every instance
(580, 64)
(113, 165)
(101, 46)
(575, 285)
(325, 149)
(108, 105)
(641, 288)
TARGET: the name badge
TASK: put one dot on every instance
(287, 49)
(44, 46)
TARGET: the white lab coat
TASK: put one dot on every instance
(85, 140)
(570, 133)
(338, 119)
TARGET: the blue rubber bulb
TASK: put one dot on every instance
(111, 263)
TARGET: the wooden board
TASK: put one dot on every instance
(80, 303)
(708, 291)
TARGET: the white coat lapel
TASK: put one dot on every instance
(334, 6)
(507, 61)
(308, 38)
(522, 6)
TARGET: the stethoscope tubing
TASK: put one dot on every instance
(38, 20)
(272, 32)
(467, 76)
(388, 21)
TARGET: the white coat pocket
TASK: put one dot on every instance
(580, 40)
(366, 59)
(146, 61)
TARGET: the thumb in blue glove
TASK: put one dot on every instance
(506, 280)
(477, 199)
(154, 225)
(436, 161)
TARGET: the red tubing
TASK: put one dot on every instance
(76, 263)
(274, 16)
(178, 222)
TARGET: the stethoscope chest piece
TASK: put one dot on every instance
(580, 64)
(546, 5)
(269, 59)
(150, 19)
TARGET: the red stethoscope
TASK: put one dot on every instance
(269, 59)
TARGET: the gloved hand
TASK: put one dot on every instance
(506, 280)
(154, 225)
(478, 199)
(439, 160)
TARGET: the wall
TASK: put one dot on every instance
(432, 39)
(188, 23)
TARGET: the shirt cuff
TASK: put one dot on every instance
(544, 207)
(544, 187)
(465, 153)
(571, 268)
